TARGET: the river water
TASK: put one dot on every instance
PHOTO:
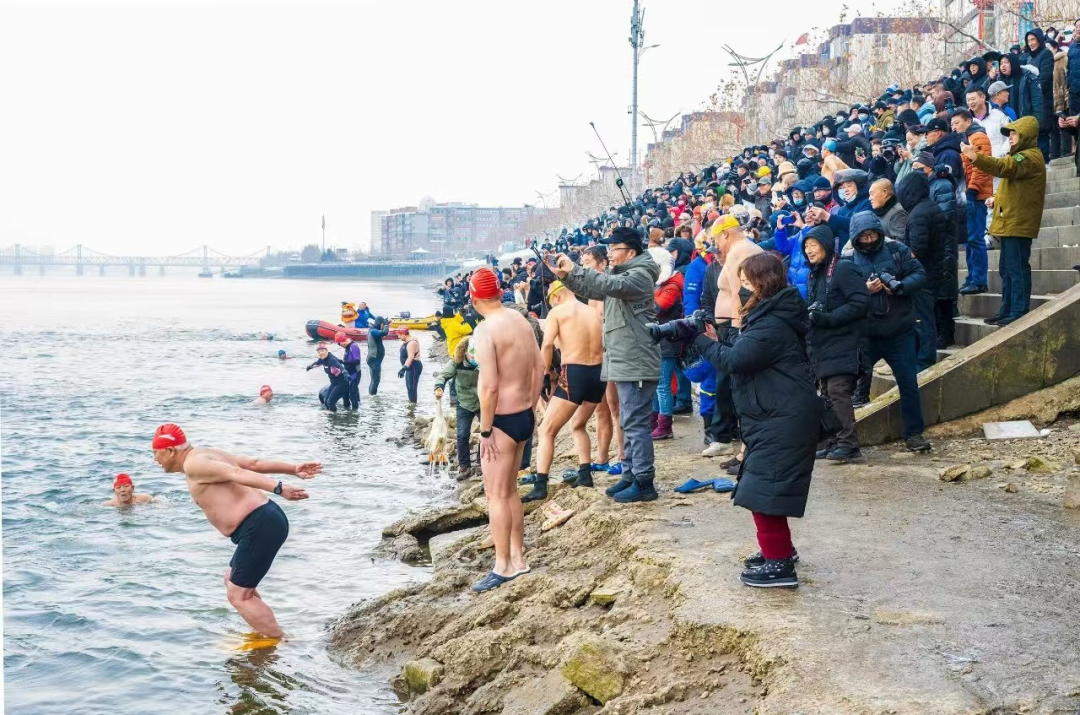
(124, 612)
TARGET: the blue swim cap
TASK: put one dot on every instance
(280, 352)
(830, 144)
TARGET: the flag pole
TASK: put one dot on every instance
(324, 233)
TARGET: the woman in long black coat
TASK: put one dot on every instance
(839, 300)
(779, 412)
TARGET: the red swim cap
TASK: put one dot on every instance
(264, 388)
(340, 337)
(403, 331)
(168, 435)
(484, 285)
(121, 479)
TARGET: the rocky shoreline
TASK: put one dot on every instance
(637, 608)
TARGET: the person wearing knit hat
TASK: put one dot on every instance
(511, 375)
(230, 491)
(124, 493)
(631, 359)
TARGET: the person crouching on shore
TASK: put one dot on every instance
(779, 410)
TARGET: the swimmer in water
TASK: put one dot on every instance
(265, 396)
(124, 493)
(282, 355)
(230, 491)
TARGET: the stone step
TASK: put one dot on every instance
(1043, 258)
(1063, 161)
(986, 304)
(1065, 199)
(1057, 187)
(1042, 282)
(971, 330)
(1059, 236)
(1061, 217)
(1060, 173)
(883, 381)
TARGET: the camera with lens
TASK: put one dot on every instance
(888, 149)
(682, 330)
(888, 280)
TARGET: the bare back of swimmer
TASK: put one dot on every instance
(509, 385)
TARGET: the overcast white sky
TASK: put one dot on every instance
(152, 127)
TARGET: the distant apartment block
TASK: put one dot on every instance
(453, 228)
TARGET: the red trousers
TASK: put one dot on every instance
(773, 536)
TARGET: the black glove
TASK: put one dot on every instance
(820, 319)
(401, 372)
(308, 368)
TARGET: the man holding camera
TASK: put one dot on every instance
(631, 359)
(892, 276)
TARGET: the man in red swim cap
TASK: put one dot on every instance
(124, 493)
(265, 395)
(230, 491)
(511, 375)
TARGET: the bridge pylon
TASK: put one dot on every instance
(18, 265)
(78, 260)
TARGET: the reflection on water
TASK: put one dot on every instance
(123, 611)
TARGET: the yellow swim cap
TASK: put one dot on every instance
(554, 288)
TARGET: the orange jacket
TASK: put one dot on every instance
(978, 180)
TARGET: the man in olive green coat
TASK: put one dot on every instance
(1017, 212)
(631, 360)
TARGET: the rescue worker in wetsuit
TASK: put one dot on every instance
(339, 386)
(411, 366)
(351, 361)
(376, 352)
(364, 316)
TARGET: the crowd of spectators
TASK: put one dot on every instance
(792, 268)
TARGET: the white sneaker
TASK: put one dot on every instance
(720, 449)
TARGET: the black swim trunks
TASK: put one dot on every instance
(580, 383)
(257, 539)
(518, 426)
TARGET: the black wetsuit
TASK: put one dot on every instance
(412, 372)
(351, 360)
(375, 354)
(339, 385)
(257, 539)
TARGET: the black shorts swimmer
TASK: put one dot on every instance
(257, 539)
(518, 426)
(580, 383)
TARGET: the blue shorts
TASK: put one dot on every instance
(257, 539)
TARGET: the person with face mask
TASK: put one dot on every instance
(892, 276)
(779, 410)
(838, 300)
(852, 193)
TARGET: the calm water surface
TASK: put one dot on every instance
(124, 612)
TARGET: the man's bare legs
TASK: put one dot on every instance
(558, 413)
(611, 399)
(578, 422)
(604, 430)
(505, 513)
(252, 608)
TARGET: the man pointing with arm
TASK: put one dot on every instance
(229, 489)
(631, 360)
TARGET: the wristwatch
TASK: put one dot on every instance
(485, 433)
(277, 489)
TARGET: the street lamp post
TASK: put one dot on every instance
(637, 41)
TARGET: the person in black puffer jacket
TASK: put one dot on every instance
(929, 233)
(890, 322)
(838, 299)
(778, 408)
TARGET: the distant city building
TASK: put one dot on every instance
(376, 230)
(453, 228)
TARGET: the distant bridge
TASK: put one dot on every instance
(81, 257)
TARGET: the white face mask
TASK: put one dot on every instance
(847, 194)
(863, 117)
